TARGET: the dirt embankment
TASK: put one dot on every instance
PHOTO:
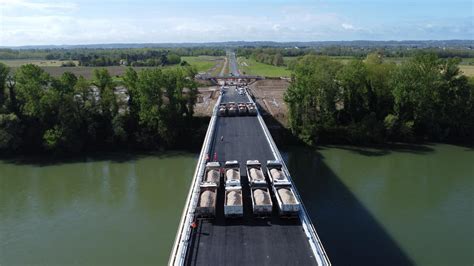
(206, 100)
(268, 94)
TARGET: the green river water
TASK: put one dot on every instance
(407, 205)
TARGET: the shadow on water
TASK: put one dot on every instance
(385, 149)
(115, 157)
(349, 232)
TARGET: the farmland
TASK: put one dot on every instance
(249, 66)
(211, 64)
(40, 62)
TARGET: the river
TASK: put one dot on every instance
(405, 205)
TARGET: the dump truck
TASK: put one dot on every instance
(222, 109)
(212, 174)
(206, 206)
(232, 108)
(288, 204)
(255, 174)
(276, 174)
(232, 173)
(261, 201)
(242, 108)
(252, 110)
(233, 203)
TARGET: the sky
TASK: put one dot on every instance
(31, 22)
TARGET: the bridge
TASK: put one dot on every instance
(247, 240)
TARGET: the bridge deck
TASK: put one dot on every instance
(246, 241)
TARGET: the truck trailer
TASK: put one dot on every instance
(232, 173)
(212, 173)
(276, 174)
(222, 109)
(252, 109)
(206, 206)
(288, 204)
(233, 204)
(232, 109)
(261, 201)
(255, 174)
(242, 108)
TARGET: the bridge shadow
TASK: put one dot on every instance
(349, 232)
(381, 150)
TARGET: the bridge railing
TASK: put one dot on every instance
(310, 231)
(178, 253)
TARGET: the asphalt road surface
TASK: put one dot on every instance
(248, 240)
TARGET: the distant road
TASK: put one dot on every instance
(224, 66)
(233, 67)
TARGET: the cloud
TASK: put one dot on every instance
(19, 5)
(347, 26)
(25, 22)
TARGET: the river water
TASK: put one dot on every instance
(404, 205)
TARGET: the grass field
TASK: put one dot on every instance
(468, 70)
(205, 63)
(86, 72)
(252, 67)
(211, 64)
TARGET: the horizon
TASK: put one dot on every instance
(86, 22)
(226, 42)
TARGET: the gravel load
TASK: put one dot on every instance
(261, 197)
(207, 198)
(234, 198)
(232, 174)
(277, 174)
(286, 196)
(256, 174)
(212, 176)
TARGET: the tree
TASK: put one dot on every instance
(278, 60)
(4, 72)
(173, 59)
(68, 81)
(149, 86)
(353, 82)
(380, 94)
(31, 83)
(10, 130)
(312, 97)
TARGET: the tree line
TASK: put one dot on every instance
(351, 51)
(370, 101)
(111, 56)
(40, 113)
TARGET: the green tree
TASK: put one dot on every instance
(312, 97)
(31, 84)
(278, 60)
(10, 132)
(352, 79)
(4, 72)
